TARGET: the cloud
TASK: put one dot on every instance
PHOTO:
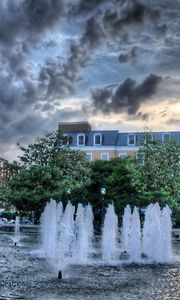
(127, 96)
(34, 75)
(131, 55)
(98, 28)
(173, 121)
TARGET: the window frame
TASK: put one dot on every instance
(97, 134)
(78, 136)
(163, 134)
(106, 153)
(134, 139)
(89, 153)
(141, 158)
(123, 154)
(68, 139)
(149, 137)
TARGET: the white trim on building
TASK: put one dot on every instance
(80, 135)
(89, 155)
(97, 135)
(106, 148)
(104, 155)
(167, 138)
(123, 155)
(131, 137)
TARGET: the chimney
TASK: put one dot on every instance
(74, 126)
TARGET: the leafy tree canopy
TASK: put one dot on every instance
(156, 173)
(46, 169)
(115, 176)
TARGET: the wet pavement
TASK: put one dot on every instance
(26, 275)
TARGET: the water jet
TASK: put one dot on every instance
(68, 237)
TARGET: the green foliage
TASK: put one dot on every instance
(47, 169)
(157, 176)
(115, 176)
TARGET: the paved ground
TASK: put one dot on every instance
(26, 275)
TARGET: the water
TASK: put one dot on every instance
(17, 236)
(68, 237)
(110, 236)
(27, 275)
(156, 241)
(126, 228)
(135, 237)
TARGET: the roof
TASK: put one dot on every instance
(2, 159)
(116, 138)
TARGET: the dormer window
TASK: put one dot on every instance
(166, 137)
(131, 139)
(97, 139)
(81, 139)
(66, 139)
(148, 137)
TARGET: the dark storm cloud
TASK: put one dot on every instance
(161, 29)
(131, 55)
(86, 6)
(127, 96)
(28, 16)
(143, 116)
(28, 26)
(98, 29)
(22, 24)
(25, 129)
(131, 12)
(59, 78)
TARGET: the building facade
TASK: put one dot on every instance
(107, 144)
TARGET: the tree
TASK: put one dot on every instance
(115, 176)
(156, 172)
(46, 169)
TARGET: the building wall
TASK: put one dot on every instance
(112, 153)
(113, 143)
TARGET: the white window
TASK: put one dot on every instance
(66, 139)
(166, 137)
(123, 155)
(148, 137)
(104, 156)
(131, 139)
(141, 157)
(97, 139)
(81, 139)
(89, 156)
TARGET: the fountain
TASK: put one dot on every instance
(17, 231)
(116, 264)
(110, 235)
(68, 238)
(126, 228)
(135, 237)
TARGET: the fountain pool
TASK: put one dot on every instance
(27, 274)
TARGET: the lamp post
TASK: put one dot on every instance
(69, 193)
(103, 192)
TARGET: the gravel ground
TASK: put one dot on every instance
(26, 275)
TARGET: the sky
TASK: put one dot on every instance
(114, 63)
